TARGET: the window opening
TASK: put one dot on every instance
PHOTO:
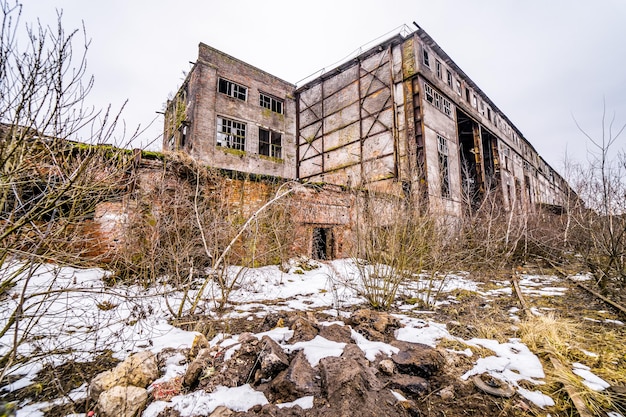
(449, 77)
(426, 58)
(443, 166)
(436, 99)
(183, 135)
(231, 134)
(232, 89)
(270, 143)
(438, 67)
(271, 103)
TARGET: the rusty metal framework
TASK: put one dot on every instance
(347, 126)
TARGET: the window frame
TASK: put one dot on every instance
(235, 135)
(425, 57)
(232, 89)
(437, 99)
(274, 150)
(444, 167)
(271, 103)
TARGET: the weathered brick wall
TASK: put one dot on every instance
(306, 208)
(203, 104)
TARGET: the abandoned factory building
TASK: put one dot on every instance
(399, 118)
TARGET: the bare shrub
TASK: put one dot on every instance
(599, 226)
(189, 225)
(393, 245)
(49, 185)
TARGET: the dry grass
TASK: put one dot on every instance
(567, 341)
(548, 334)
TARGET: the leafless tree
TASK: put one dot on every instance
(48, 184)
(602, 185)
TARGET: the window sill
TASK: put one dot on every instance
(272, 159)
(231, 151)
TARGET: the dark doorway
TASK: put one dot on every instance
(469, 144)
(322, 243)
(490, 157)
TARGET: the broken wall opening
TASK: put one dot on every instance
(469, 146)
(323, 243)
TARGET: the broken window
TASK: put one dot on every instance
(232, 89)
(436, 99)
(447, 107)
(475, 101)
(458, 87)
(438, 68)
(429, 93)
(443, 166)
(231, 134)
(426, 58)
(271, 103)
(449, 78)
(270, 143)
(183, 135)
(467, 95)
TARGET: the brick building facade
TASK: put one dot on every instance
(400, 118)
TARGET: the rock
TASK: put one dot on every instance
(352, 351)
(239, 369)
(336, 333)
(221, 411)
(122, 401)
(373, 324)
(272, 359)
(199, 342)
(446, 393)
(197, 366)
(386, 366)
(409, 384)
(346, 371)
(298, 380)
(352, 389)
(493, 386)
(102, 382)
(303, 330)
(247, 337)
(138, 370)
(417, 359)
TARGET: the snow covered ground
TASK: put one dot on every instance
(70, 314)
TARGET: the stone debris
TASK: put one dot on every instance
(138, 370)
(336, 384)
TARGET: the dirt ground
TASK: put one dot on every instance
(597, 328)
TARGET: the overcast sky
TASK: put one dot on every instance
(543, 63)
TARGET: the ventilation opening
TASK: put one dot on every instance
(322, 243)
